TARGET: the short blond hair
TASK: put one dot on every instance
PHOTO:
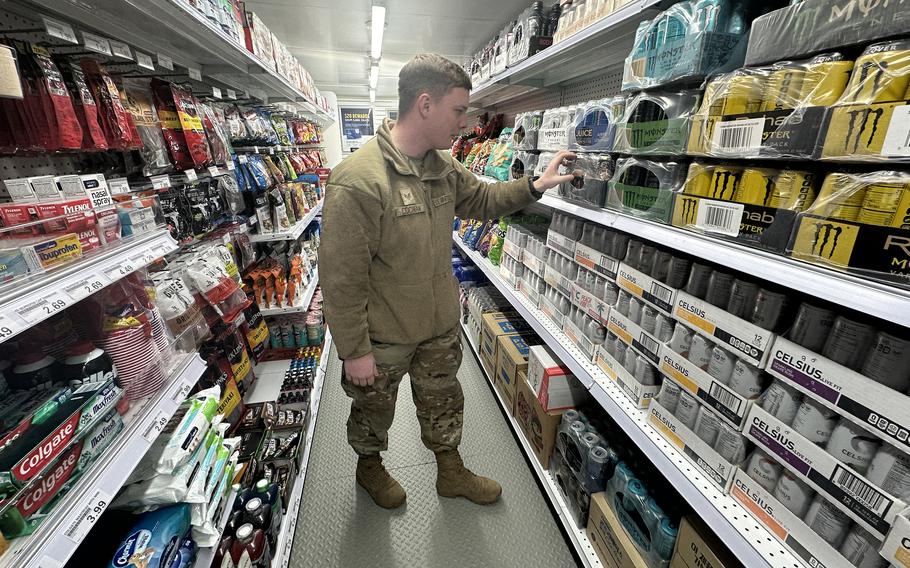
(428, 73)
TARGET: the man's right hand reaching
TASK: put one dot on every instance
(361, 371)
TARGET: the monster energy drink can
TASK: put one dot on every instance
(720, 286)
(698, 180)
(811, 327)
(826, 79)
(827, 521)
(746, 380)
(697, 284)
(731, 445)
(814, 422)
(861, 549)
(890, 470)
(742, 298)
(721, 365)
(849, 343)
(769, 309)
(783, 89)
(724, 183)
(700, 351)
(798, 186)
(743, 92)
(661, 266)
(781, 401)
(687, 409)
(648, 319)
(793, 493)
(763, 469)
(756, 187)
(668, 397)
(841, 197)
(889, 361)
(852, 445)
(681, 340)
(882, 73)
(678, 272)
(707, 425)
(882, 204)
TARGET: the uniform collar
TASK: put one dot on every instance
(435, 166)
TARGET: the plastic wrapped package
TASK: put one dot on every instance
(592, 173)
(691, 40)
(527, 125)
(154, 540)
(170, 125)
(217, 137)
(593, 127)
(553, 132)
(858, 223)
(84, 105)
(66, 129)
(209, 276)
(755, 206)
(190, 117)
(656, 123)
(236, 126)
(871, 121)
(645, 188)
(140, 105)
(523, 164)
(769, 112)
(500, 160)
(114, 118)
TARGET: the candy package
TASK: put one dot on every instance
(218, 139)
(170, 125)
(114, 118)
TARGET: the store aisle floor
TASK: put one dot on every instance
(339, 525)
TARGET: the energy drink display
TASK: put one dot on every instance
(523, 164)
(870, 122)
(594, 127)
(527, 126)
(775, 111)
(860, 223)
(689, 40)
(646, 188)
(756, 206)
(592, 171)
(656, 123)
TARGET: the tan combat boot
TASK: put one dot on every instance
(453, 479)
(382, 487)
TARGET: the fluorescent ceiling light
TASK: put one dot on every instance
(372, 95)
(377, 27)
(374, 76)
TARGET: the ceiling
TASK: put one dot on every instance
(331, 38)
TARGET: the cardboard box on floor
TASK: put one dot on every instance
(556, 387)
(613, 546)
(512, 358)
(496, 324)
(538, 425)
(698, 547)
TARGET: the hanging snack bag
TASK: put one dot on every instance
(114, 121)
(139, 103)
(170, 125)
(191, 121)
(56, 101)
(30, 109)
(281, 129)
(280, 217)
(83, 105)
(214, 129)
(273, 170)
(208, 275)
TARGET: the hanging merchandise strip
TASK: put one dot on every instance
(747, 540)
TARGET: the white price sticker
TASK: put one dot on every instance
(119, 271)
(230, 165)
(8, 328)
(271, 151)
(121, 49)
(182, 391)
(145, 61)
(60, 30)
(140, 259)
(85, 287)
(156, 426)
(897, 139)
(242, 158)
(718, 217)
(232, 94)
(255, 149)
(35, 311)
(162, 250)
(87, 515)
(96, 43)
(195, 74)
(216, 92)
(165, 62)
(190, 175)
(214, 171)
(160, 182)
(119, 185)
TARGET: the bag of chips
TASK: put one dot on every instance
(83, 104)
(170, 125)
(191, 121)
(114, 118)
(139, 103)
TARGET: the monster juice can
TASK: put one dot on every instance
(698, 180)
(744, 92)
(841, 197)
(783, 89)
(885, 204)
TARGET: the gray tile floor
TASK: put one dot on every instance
(339, 525)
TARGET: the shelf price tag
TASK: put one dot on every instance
(119, 271)
(156, 426)
(88, 515)
(85, 287)
(60, 30)
(243, 159)
(121, 49)
(214, 171)
(8, 327)
(119, 185)
(96, 43)
(190, 175)
(271, 151)
(182, 391)
(145, 61)
(230, 165)
(216, 92)
(195, 74)
(232, 94)
(165, 62)
(161, 182)
(35, 311)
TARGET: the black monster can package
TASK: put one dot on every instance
(860, 222)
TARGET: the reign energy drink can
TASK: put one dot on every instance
(881, 74)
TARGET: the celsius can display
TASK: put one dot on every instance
(763, 470)
(781, 401)
(746, 380)
(731, 444)
(681, 340)
(849, 342)
(811, 327)
(687, 409)
(852, 445)
(793, 493)
(707, 426)
(814, 422)
(663, 328)
(827, 521)
(678, 272)
(742, 298)
(700, 351)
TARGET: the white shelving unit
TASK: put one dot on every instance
(295, 231)
(31, 300)
(577, 535)
(750, 542)
(60, 534)
(303, 300)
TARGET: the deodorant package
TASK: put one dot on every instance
(155, 539)
(592, 172)
(593, 128)
(854, 223)
(646, 188)
(656, 123)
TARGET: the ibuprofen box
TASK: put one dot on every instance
(638, 393)
(555, 386)
(879, 409)
(855, 495)
(789, 529)
(538, 424)
(727, 404)
(591, 305)
(596, 261)
(613, 545)
(746, 340)
(896, 548)
(715, 468)
(646, 288)
(635, 337)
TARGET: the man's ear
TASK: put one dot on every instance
(424, 102)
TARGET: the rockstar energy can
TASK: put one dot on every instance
(724, 183)
(783, 89)
(743, 92)
(882, 73)
(825, 80)
(841, 197)
(757, 187)
(698, 180)
(885, 204)
(799, 187)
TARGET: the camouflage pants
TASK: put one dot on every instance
(432, 366)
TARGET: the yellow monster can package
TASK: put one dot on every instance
(860, 222)
(775, 111)
(871, 121)
(756, 206)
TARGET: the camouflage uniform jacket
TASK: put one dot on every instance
(385, 256)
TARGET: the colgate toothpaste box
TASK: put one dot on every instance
(45, 439)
